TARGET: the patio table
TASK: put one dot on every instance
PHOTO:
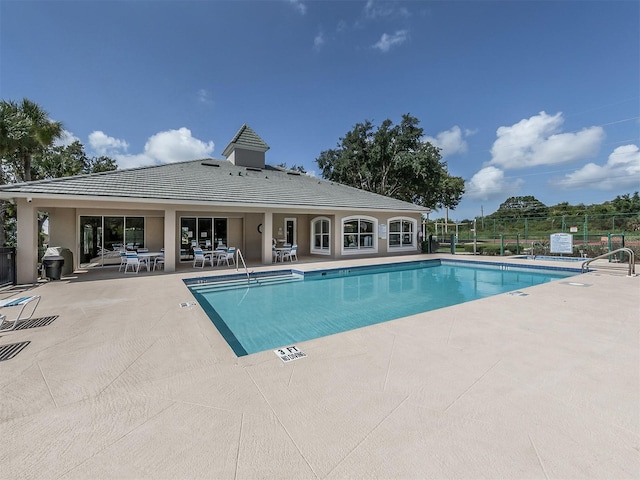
(147, 257)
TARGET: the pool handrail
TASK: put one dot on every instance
(628, 251)
(239, 257)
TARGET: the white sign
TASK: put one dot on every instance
(290, 353)
(573, 229)
(382, 231)
(561, 243)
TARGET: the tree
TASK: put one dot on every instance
(626, 203)
(521, 207)
(25, 131)
(294, 167)
(393, 161)
(69, 160)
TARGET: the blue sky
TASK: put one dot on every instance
(534, 98)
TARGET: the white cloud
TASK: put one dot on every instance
(387, 41)
(66, 139)
(490, 183)
(621, 171)
(103, 144)
(318, 41)
(373, 10)
(450, 141)
(204, 96)
(537, 141)
(164, 147)
(299, 6)
(176, 145)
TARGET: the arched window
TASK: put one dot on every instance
(321, 235)
(402, 233)
(359, 235)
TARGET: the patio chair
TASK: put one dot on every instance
(227, 256)
(159, 261)
(201, 258)
(123, 260)
(134, 262)
(21, 302)
(290, 254)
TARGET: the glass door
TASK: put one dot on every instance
(188, 236)
(290, 231)
(90, 240)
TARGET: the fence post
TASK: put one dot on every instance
(517, 244)
(586, 228)
(453, 244)
(502, 244)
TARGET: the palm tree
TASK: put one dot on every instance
(25, 130)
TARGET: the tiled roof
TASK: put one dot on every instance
(214, 182)
(247, 138)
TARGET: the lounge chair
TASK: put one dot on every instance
(17, 302)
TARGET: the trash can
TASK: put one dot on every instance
(53, 262)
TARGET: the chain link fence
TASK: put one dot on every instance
(593, 235)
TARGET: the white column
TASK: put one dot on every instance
(267, 236)
(170, 240)
(27, 239)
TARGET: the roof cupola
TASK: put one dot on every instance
(246, 149)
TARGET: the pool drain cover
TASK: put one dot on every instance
(7, 352)
(518, 293)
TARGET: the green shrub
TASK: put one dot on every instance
(483, 248)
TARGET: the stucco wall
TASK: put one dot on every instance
(154, 233)
(62, 229)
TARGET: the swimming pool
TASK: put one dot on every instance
(286, 306)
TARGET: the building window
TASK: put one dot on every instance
(321, 236)
(358, 234)
(402, 233)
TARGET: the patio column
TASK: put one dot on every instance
(170, 240)
(27, 240)
(267, 236)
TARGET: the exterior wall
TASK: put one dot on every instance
(154, 233)
(235, 233)
(63, 230)
(252, 247)
(27, 250)
(382, 244)
(247, 158)
(242, 224)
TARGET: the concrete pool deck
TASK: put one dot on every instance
(125, 383)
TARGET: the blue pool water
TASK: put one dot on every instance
(302, 307)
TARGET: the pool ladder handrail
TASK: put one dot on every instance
(533, 248)
(628, 251)
(239, 257)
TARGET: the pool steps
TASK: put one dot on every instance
(217, 285)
